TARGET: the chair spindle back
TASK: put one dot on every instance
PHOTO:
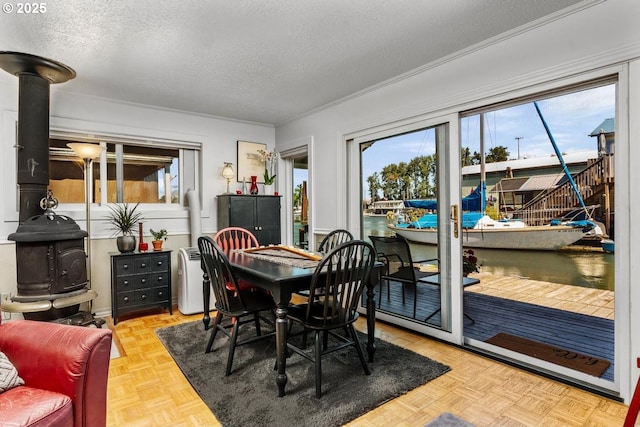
(235, 238)
(338, 283)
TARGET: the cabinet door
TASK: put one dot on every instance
(242, 212)
(268, 220)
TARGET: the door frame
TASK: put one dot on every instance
(450, 253)
(286, 187)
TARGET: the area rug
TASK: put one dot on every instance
(560, 356)
(448, 420)
(249, 396)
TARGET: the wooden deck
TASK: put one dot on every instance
(574, 318)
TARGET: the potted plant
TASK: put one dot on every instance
(158, 237)
(123, 220)
(269, 158)
(469, 262)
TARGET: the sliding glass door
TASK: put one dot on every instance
(409, 187)
(545, 166)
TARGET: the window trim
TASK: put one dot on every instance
(105, 138)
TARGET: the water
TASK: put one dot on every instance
(586, 269)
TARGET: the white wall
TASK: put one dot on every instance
(82, 113)
(601, 36)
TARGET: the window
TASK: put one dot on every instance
(129, 171)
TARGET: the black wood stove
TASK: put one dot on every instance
(50, 256)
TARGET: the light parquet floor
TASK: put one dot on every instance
(146, 387)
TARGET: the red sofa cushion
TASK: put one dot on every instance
(28, 406)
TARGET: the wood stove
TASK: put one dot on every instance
(51, 262)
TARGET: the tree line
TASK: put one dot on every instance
(416, 179)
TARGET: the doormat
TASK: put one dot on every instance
(550, 353)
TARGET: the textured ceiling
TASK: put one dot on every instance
(265, 61)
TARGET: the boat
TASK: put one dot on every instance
(383, 207)
(481, 231)
(608, 246)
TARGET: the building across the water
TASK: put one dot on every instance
(382, 207)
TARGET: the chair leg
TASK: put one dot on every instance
(256, 319)
(318, 364)
(431, 315)
(232, 347)
(214, 331)
(356, 343)
(415, 299)
(634, 405)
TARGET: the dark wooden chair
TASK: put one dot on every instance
(235, 238)
(334, 239)
(334, 297)
(231, 238)
(399, 266)
(329, 242)
(239, 306)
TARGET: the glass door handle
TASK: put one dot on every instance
(453, 213)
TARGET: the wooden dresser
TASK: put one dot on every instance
(139, 281)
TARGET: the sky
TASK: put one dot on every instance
(571, 118)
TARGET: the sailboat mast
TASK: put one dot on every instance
(483, 173)
(560, 158)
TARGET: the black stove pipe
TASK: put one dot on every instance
(33, 144)
(35, 76)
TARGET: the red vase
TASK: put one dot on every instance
(254, 185)
(142, 246)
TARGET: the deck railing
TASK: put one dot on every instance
(556, 202)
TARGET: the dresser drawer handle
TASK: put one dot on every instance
(125, 283)
(143, 281)
(143, 265)
(125, 299)
(125, 266)
(159, 278)
(160, 294)
(159, 263)
(143, 297)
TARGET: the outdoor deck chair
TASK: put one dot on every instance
(395, 253)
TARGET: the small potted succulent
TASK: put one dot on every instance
(123, 220)
(158, 237)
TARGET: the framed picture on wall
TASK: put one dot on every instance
(250, 161)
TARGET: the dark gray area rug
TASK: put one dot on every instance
(249, 396)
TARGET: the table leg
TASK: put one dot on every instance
(206, 292)
(281, 347)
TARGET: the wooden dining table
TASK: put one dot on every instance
(283, 281)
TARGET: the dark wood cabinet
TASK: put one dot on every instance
(140, 280)
(258, 214)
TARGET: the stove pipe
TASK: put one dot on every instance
(35, 75)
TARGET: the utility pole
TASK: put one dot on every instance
(518, 138)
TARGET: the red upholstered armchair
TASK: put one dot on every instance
(65, 370)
